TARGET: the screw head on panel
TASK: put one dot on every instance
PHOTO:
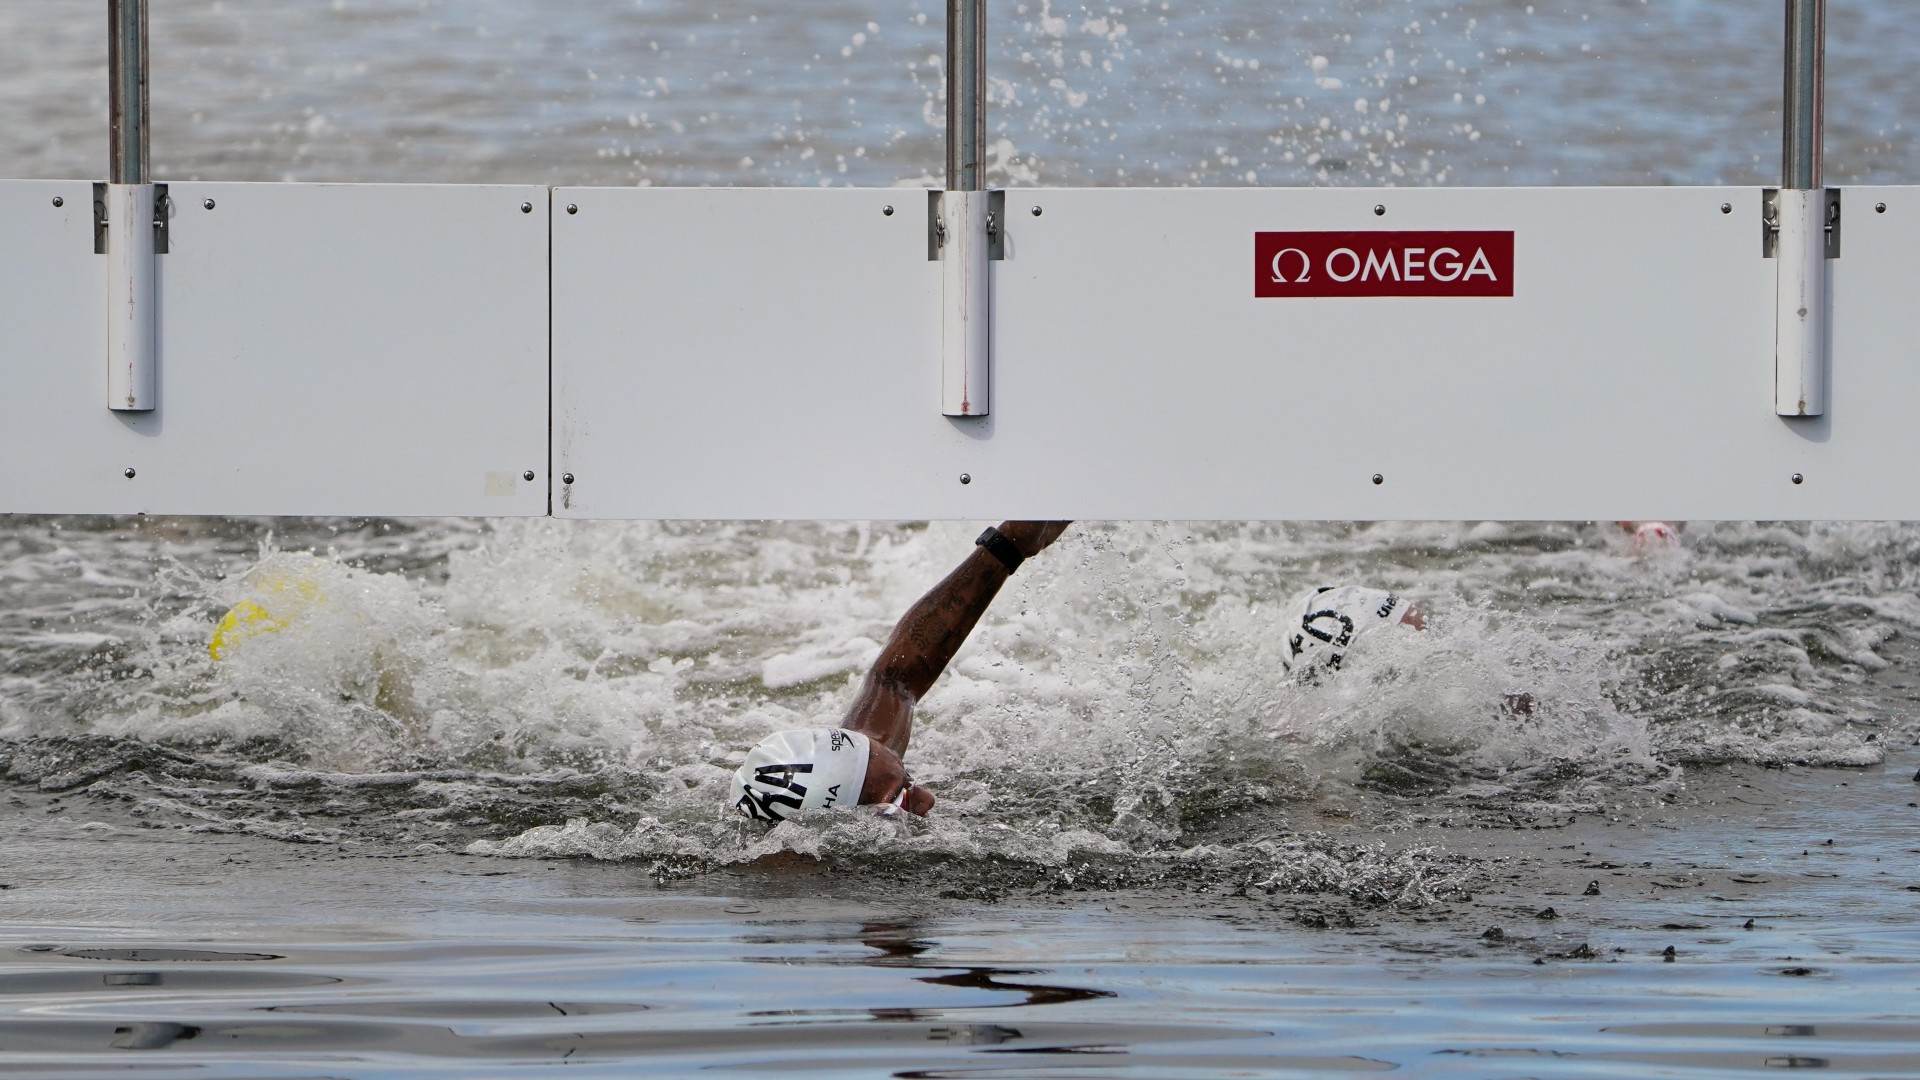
(566, 478)
(1726, 208)
(129, 473)
(208, 203)
(58, 201)
(526, 208)
(1378, 479)
(966, 478)
(886, 211)
(527, 476)
(1036, 211)
(573, 208)
(1879, 208)
(1379, 209)
(1797, 478)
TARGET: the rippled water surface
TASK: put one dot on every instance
(459, 814)
(1719, 949)
(476, 790)
(833, 92)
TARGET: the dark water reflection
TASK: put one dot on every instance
(671, 984)
(324, 963)
(899, 947)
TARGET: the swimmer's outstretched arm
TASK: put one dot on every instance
(930, 633)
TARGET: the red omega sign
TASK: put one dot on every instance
(1288, 264)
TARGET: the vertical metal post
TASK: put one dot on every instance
(963, 220)
(129, 208)
(1800, 336)
(1804, 107)
(127, 92)
(966, 93)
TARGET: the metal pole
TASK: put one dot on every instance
(1804, 107)
(128, 206)
(127, 95)
(966, 94)
(966, 342)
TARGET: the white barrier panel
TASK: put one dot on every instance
(1246, 353)
(749, 353)
(323, 349)
(769, 353)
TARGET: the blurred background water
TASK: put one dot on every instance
(1157, 93)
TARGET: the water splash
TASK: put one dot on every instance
(543, 688)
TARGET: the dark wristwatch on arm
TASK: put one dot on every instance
(1001, 548)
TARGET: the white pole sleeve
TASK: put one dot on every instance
(1800, 334)
(965, 305)
(131, 347)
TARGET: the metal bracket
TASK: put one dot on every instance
(162, 214)
(1770, 223)
(99, 218)
(996, 226)
(936, 231)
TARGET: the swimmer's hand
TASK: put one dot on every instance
(1033, 537)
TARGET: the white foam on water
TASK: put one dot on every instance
(1099, 679)
(1123, 699)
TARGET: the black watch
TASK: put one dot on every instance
(1001, 548)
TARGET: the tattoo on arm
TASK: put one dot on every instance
(933, 629)
(925, 639)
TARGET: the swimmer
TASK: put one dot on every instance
(1652, 535)
(1327, 621)
(859, 762)
(1330, 620)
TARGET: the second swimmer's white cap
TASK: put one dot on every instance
(800, 769)
(1329, 619)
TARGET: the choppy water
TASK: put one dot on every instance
(1150, 854)
(1137, 816)
(1122, 708)
(410, 964)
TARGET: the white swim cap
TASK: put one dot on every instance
(1655, 536)
(1327, 620)
(800, 769)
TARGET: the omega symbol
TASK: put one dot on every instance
(1280, 275)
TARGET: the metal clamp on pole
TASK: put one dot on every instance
(962, 222)
(1801, 220)
(128, 205)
